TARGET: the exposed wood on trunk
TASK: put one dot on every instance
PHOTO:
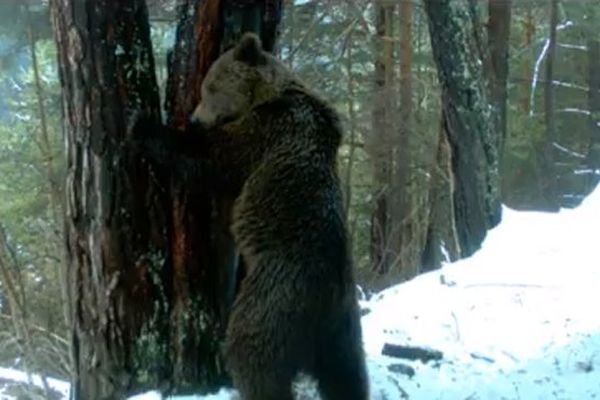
(195, 274)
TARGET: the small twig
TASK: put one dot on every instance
(507, 285)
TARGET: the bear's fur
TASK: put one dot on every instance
(268, 138)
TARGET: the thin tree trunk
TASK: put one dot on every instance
(291, 13)
(352, 124)
(54, 187)
(529, 30)
(15, 295)
(467, 119)
(380, 144)
(593, 156)
(403, 209)
(45, 146)
(549, 184)
(442, 243)
(498, 38)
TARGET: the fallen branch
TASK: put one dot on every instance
(411, 353)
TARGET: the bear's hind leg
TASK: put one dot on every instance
(340, 370)
(263, 385)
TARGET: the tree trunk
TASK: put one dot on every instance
(351, 126)
(549, 177)
(498, 38)
(141, 264)
(114, 214)
(593, 156)
(467, 118)
(380, 143)
(404, 209)
(54, 189)
(529, 30)
(441, 244)
(55, 192)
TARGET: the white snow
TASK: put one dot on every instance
(518, 320)
(21, 377)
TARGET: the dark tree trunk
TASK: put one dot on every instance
(498, 35)
(380, 143)
(549, 177)
(453, 26)
(143, 258)
(593, 156)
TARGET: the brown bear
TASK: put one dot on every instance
(264, 135)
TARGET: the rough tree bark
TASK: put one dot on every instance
(141, 267)
(467, 118)
(115, 218)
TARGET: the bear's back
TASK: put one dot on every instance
(292, 201)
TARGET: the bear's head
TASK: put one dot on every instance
(240, 79)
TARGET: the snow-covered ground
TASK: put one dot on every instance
(7, 375)
(518, 320)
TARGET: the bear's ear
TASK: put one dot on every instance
(249, 50)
